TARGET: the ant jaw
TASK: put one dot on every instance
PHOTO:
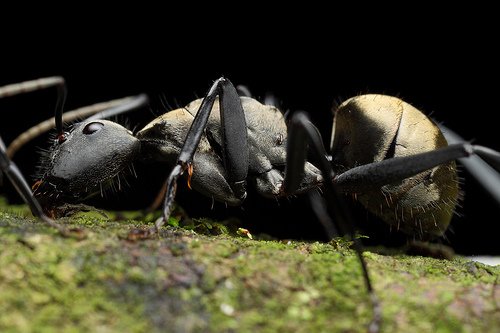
(56, 199)
(47, 197)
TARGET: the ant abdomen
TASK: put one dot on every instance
(372, 128)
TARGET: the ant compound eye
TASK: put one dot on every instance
(91, 128)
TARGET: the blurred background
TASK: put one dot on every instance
(444, 82)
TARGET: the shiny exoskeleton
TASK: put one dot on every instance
(372, 128)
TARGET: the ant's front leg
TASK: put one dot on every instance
(235, 151)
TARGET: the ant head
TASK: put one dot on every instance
(84, 160)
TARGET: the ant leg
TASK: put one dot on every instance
(479, 169)
(374, 175)
(15, 176)
(234, 138)
(302, 133)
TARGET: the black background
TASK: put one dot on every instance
(452, 78)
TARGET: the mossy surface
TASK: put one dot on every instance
(184, 281)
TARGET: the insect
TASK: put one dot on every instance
(395, 159)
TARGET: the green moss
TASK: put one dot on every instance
(52, 282)
(191, 282)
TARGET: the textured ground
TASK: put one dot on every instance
(189, 281)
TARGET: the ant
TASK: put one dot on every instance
(390, 155)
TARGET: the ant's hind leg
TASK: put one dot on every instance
(486, 175)
(374, 175)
